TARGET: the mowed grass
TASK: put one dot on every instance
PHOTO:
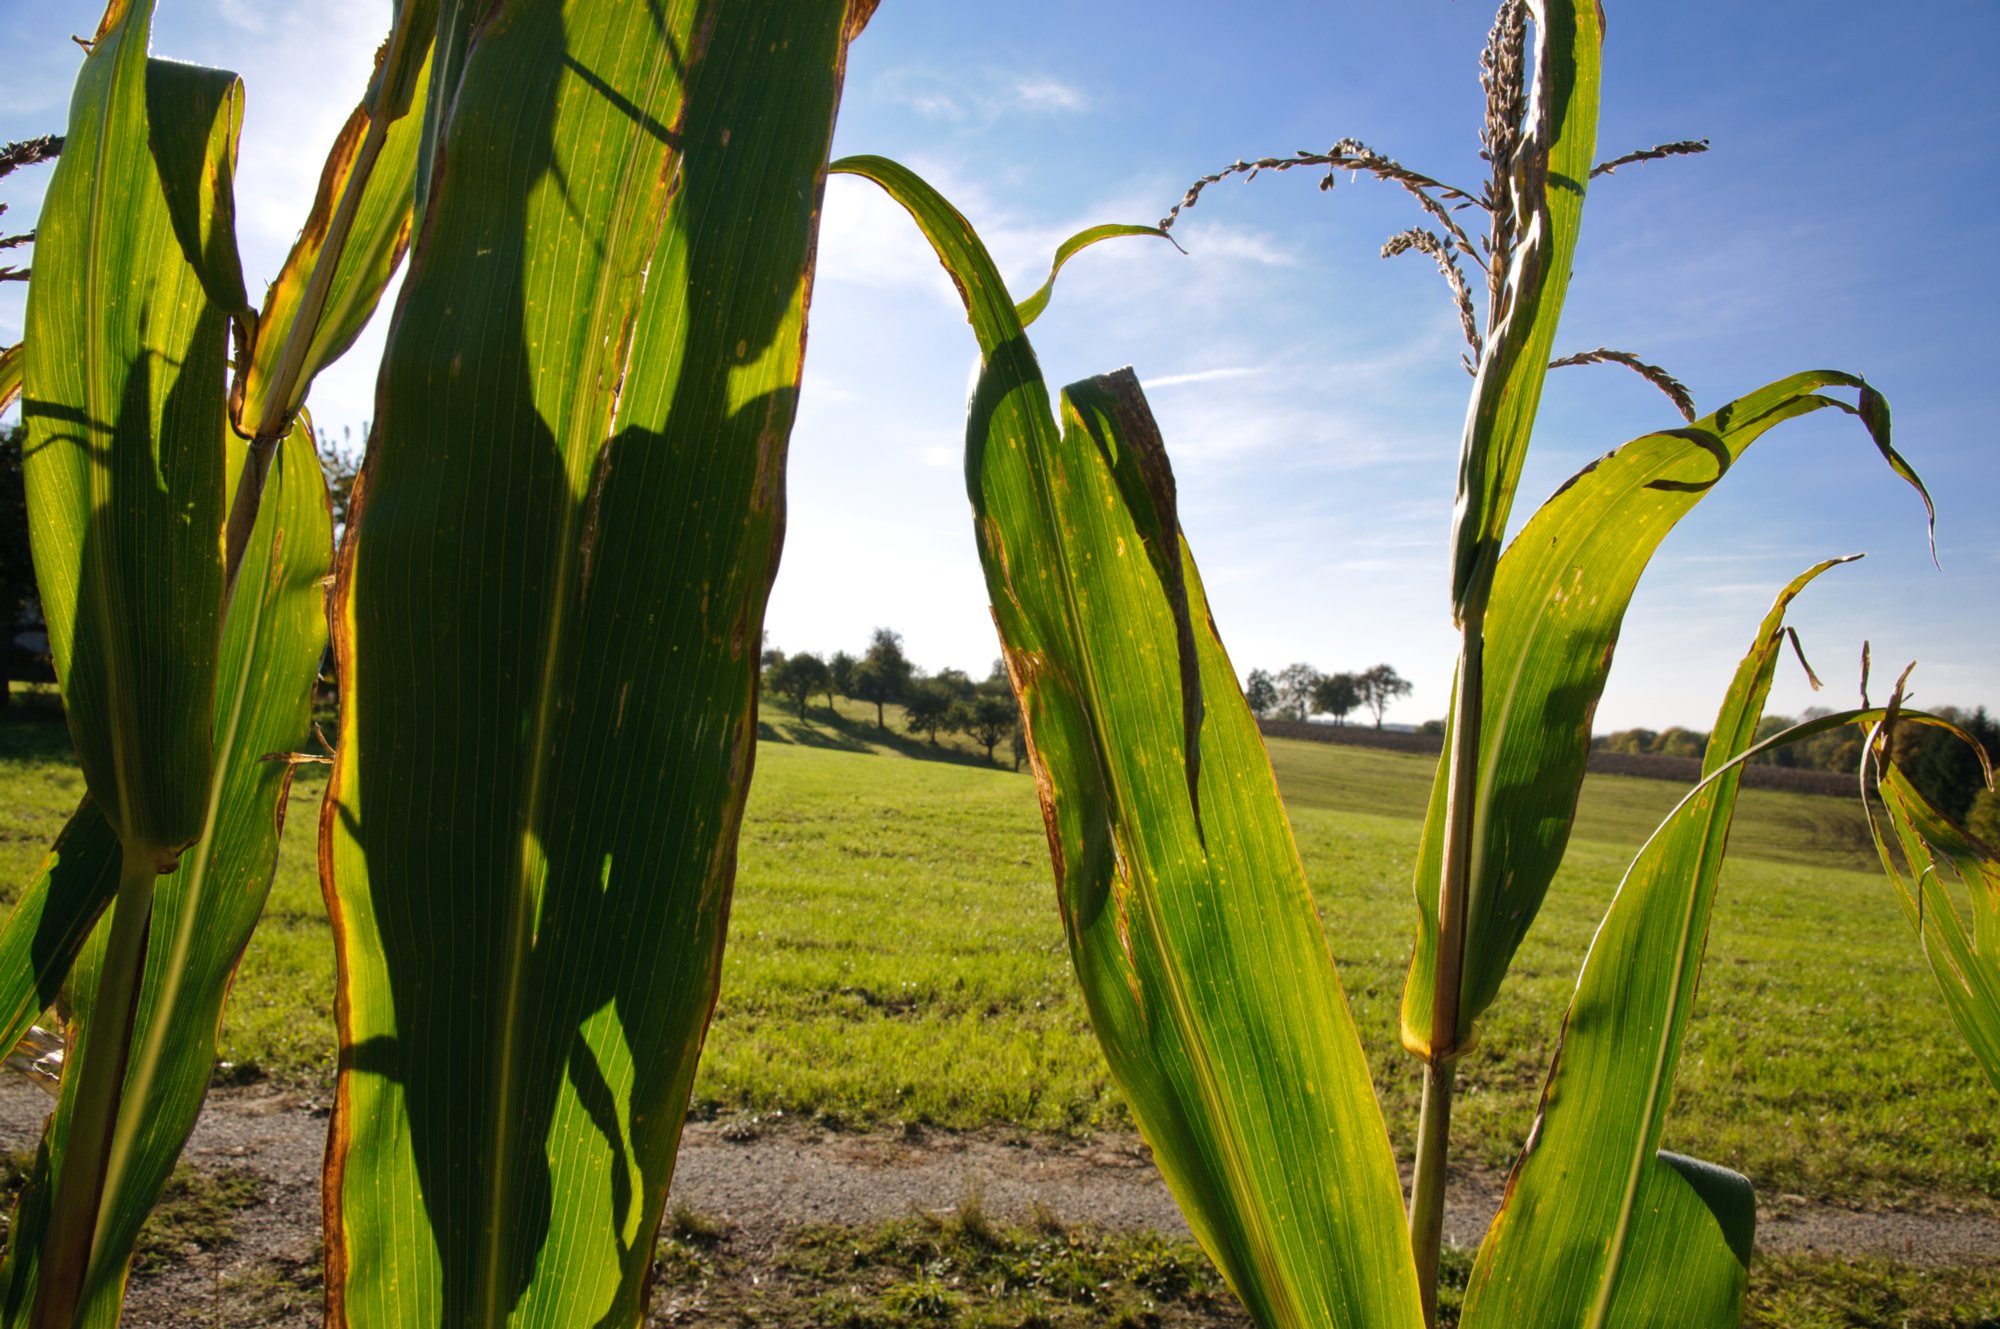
(895, 956)
(963, 1268)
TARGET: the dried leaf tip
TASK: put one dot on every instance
(1799, 650)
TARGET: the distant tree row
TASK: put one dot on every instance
(1299, 690)
(948, 701)
(1940, 765)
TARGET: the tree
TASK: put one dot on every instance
(1336, 695)
(884, 673)
(1679, 742)
(342, 463)
(1379, 687)
(840, 676)
(798, 677)
(1940, 765)
(1295, 690)
(1783, 755)
(1984, 819)
(1260, 692)
(985, 718)
(927, 706)
(1637, 742)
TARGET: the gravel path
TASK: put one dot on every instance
(765, 1177)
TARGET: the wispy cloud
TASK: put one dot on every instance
(1215, 240)
(1048, 94)
(245, 15)
(977, 101)
(1202, 376)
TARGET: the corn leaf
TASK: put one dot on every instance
(357, 231)
(204, 910)
(547, 623)
(1189, 921)
(10, 376)
(1031, 308)
(1559, 599)
(1948, 884)
(452, 21)
(123, 397)
(1546, 189)
(49, 924)
(135, 282)
(1598, 1228)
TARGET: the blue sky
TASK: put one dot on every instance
(1309, 391)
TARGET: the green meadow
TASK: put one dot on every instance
(895, 957)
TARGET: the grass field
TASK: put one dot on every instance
(895, 956)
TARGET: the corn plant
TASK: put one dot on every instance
(1202, 960)
(547, 617)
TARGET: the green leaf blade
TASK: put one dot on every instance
(1233, 1038)
(547, 623)
(47, 928)
(1559, 600)
(363, 238)
(1948, 884)
(1597, 1229)
(123, 400)
(10, 375)
(1031, 308)
(206, 909)
(1195, 938)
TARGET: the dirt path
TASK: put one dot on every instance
(769, 1176)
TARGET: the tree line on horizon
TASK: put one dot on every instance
(1299, 691)
(948, 701)
(1943, 768)
(984, 710)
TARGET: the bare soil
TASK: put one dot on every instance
(765, 1177)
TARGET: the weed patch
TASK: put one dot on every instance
(959, 1269)
(196, 1213)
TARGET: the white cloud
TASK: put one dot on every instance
(978, 100)
(1047, 94)
(1242, 244)
(245, 14)
(1201, 376)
